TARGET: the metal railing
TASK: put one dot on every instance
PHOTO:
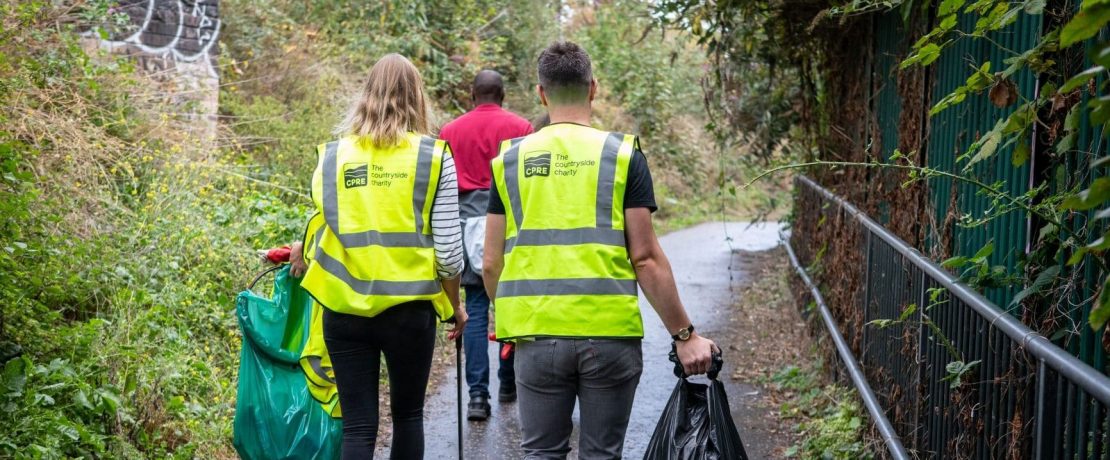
(1021, 396)
(874, 407)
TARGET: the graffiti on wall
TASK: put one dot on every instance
(175, 31)
(175, 43)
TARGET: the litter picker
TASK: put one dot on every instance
(458, 387)
(458, 390)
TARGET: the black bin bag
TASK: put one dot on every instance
(697, 423)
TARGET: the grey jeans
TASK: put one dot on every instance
(552, 374)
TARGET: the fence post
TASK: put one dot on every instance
(1044, 440)
(864, 342)
(919, 360)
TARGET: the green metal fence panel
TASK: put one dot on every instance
(886, 104)
(890, 48)
(1024, 398)
(954, 130)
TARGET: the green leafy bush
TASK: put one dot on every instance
(122, 244)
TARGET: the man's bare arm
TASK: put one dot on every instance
(653, 271)
(493, 258)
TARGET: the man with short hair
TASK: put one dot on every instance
(474, 138)
(569, 238)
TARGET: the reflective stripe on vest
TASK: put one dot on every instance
(605, 179)
(566, 237)
(375, 287)
(319, 371)
(512, 187)
(566, 272)
(370, 287)
(316, 365)
(566, 286)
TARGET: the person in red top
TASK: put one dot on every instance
(475, 138)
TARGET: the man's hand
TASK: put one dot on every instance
(458, 323)
(297, 266)
(696, 354)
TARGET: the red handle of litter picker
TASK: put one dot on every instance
(506, 347)
(278, 255)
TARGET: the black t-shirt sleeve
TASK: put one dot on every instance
(495, 205)
(639, 191)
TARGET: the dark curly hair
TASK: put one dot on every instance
(565, 72)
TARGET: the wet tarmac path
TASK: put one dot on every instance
(706, 269)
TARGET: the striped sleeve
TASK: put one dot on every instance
(446, 231)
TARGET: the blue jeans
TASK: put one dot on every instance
(476, 345)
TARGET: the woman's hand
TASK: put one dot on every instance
(458, 323)
(297, 266)
(696, 354)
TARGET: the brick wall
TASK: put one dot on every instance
(175, 41)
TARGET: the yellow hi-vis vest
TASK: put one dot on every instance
(375, 249)
(369, 247)
(567, 272)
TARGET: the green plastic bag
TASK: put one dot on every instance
(275, 418)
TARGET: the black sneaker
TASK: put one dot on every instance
(478, 409)
(507, 393)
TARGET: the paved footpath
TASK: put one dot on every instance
(706, 269)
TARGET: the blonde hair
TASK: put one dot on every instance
(392, 103)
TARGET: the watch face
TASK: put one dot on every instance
(684, 334)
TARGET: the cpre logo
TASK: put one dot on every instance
(354, 175)
(537, 164)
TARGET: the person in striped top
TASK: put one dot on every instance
(372, 311)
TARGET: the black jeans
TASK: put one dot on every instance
(406, 335)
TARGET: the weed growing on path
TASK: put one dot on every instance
(827, 416)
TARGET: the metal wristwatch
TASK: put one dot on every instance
(684, 334)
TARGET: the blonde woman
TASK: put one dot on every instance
(384, 254)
